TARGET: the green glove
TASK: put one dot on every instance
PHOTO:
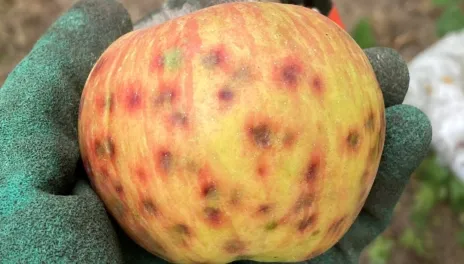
(48, 212)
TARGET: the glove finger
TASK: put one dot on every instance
(392, 73)
(38, 134)
(72, 44)
(407, 142)
(71, 229)
(126, 250)
(40, 98)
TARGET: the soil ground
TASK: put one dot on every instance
(406, 25)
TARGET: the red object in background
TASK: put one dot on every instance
(335, 16)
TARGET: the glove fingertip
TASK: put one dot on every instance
(392, 73)
(408, 136)
(407, 142)
(108, 16)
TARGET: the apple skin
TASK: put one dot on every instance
(240, 131)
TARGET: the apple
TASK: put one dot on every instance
(239, 131)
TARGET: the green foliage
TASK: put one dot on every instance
(437, 184)
(433, 189)
(411, 240)
(456, 195)
(446, 2)
(431, 172)
(452, 18)
(380, 250)
(425, 200)
(363, 34)
(460, 238)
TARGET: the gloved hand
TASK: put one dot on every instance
(48, 212)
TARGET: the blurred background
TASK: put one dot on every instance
(428, 225)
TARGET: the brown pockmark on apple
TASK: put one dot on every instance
(307, 220)
(102, 173)
(312, 169)
(316, 232)
(217, 57)
(260, 135)
(157, 63)
(235, 198)
(133, 96)
(289, 73)
(289, 139)
(206, 183)
(370, 122)
(104, 103)
(119, 208)
(243, 74)
(182, 234)
(337, 226)
(353, 140)
(164, 161)
(271, 225)
(149, 207)
(179, 119)
(372, 153)
(317, 85)
(234, 246)
(101, 64)
(182, 229)
(166, 96)
(262, 169)
(304, 201)
(213, 216)
(209, 190)
(264, 209)
(141, 174)
(105, 148)
(225, 94)
(119, 189)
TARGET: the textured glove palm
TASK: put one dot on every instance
(48, 212)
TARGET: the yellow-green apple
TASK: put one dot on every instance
(240, 131)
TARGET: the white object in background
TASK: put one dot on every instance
(437, 88)
(175, 8)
